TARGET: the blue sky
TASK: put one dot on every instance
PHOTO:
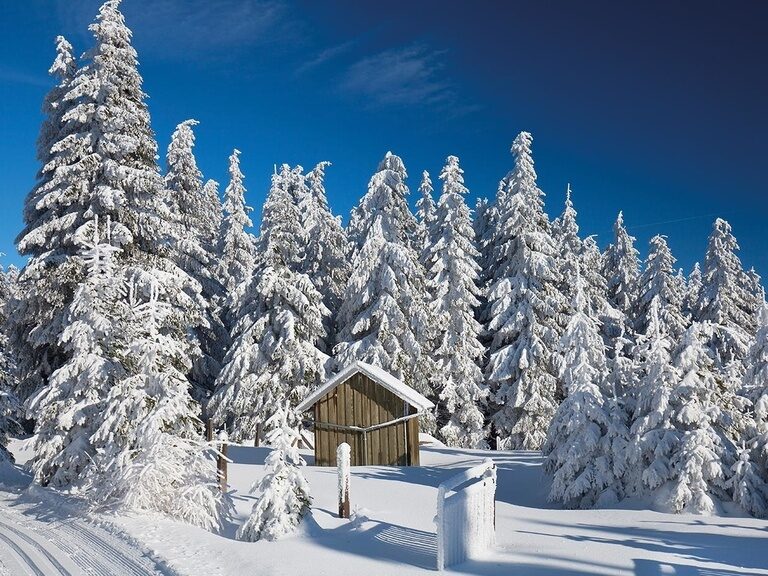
(656, 108)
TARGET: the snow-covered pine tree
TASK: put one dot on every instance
(699, 465)
(452, 281)
(747, 482)
(326, 260)
(525, 311)
(387, 192)
(151, 454)
(50, 209)
(236, 246)
(584, 433)
(115, 177)
(192, 251)
(750, 483)
(274, 359)
(726, 301)
(212, 217)
(621, 268)
(653, 434)
(692, 293)
(658, 280)
(425, 215)
(284, 496)
(383, 319)
(69, 407)
(565, 231)
(10, 408)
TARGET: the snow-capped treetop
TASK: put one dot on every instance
(236, 246)
(725, 298)
(565, 228)
(183, 178)
(281, 236)
(621, 268)
(386, 200)
(693, 289)
(658, 280)
(316, 181)
(425, 211)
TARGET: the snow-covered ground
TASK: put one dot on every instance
(392, 531)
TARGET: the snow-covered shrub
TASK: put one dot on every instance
(284, 496)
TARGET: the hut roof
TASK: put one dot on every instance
(376, 374)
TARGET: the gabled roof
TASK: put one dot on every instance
(376, 374)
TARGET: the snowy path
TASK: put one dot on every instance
(63, 546)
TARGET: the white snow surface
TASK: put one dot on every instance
(392, 530)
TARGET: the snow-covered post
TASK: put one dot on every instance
(222, 460)
(342, 463)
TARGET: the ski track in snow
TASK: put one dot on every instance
(69, 547)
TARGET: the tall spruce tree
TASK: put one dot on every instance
(425, 215)
(193, 252)
(586, 441)
(10, 409)
(274, 360)
(453, 273)
(51, 209)
(116, 178)
(383, 317)
(658, 280)
(525, 312)
(621, 268)
(725, 299)
(326, 256)
(236, 245)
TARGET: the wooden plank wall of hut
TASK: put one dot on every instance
(362, 402)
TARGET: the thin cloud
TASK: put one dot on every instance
(401, 77)
(181, 28)
(325, 56)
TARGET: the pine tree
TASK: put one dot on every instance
(50, 210)
(236, 246)
(115, 177)
(326, 256)
(658, 280)
(192, 251)
(425, 215)
(524, 313)
(699, 463)
(453, 275)
(9, 405)
(212, 217)
(284, 496)
(621, 269)
(387, 194)
(750, 482)
(383, 317)
(692, 294)
(653, 433)
(151, 456)
(725, 299)
(583, 435)
(273, 360)
(67, 410)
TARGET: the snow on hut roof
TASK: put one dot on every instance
(376, 374)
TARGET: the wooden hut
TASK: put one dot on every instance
(372, 411)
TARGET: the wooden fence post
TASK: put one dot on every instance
(209, 430)
(343, 453)
(222, 460)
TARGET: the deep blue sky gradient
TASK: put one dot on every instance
(654, 108)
